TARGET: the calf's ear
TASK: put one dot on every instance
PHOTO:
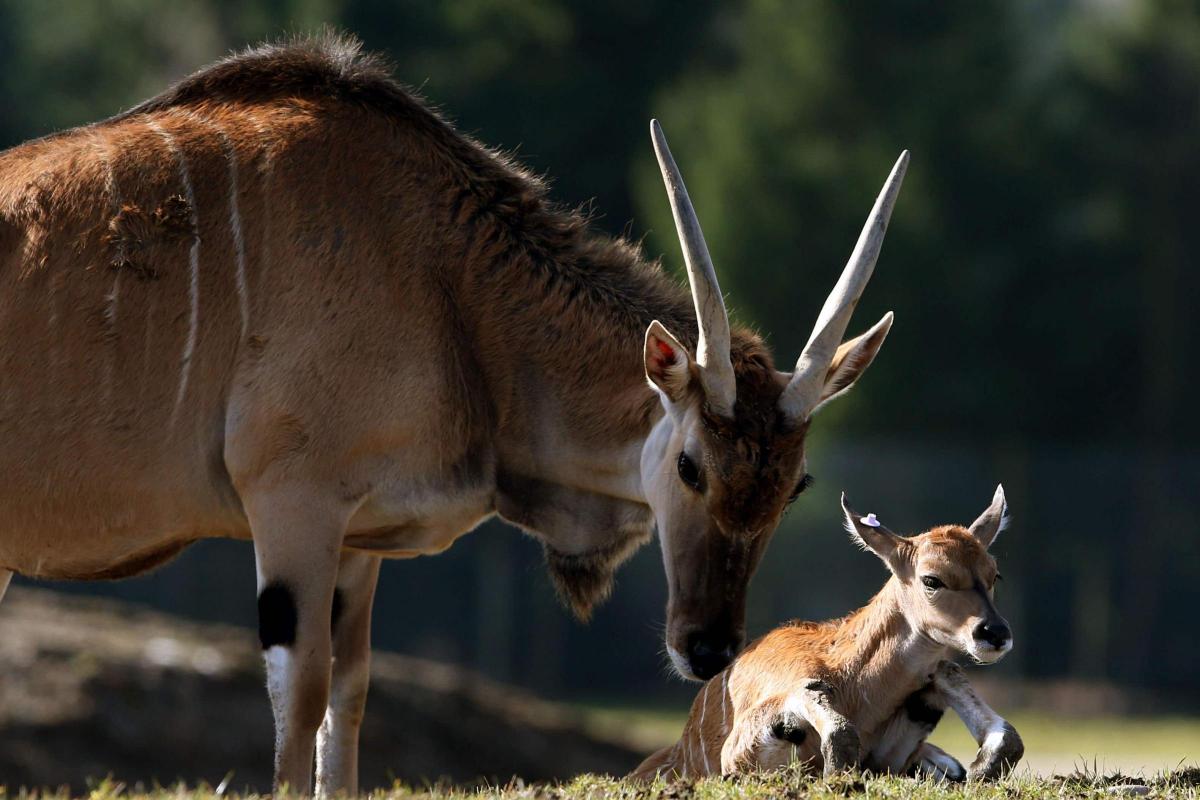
(993, 520)
(870, 534)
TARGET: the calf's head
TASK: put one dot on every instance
(727, 456)
(946, 579)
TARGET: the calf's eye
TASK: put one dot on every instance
(932, 583)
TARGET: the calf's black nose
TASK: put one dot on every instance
(710, 653)
(996, 634)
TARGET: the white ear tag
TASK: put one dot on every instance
(870, 521)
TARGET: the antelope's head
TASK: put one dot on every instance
(946, 579)
(727, 457)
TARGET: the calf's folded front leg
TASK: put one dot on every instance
(1000, 747)
(841, 746)
(901, 746)
(931, 761)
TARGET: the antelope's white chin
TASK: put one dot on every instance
(987, 654)
(682, 668)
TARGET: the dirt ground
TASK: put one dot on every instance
(90, 688)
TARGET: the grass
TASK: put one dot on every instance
(1056, 744)
(1053, 744)
(1098, 757)
(785, 784)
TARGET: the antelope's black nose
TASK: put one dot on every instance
(996, 634)
(709, 653)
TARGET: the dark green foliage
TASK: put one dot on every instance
(1042, 264)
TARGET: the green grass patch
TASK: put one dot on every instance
(786, 784)
(1053, 744)
(1096, 757)
(1056, 744)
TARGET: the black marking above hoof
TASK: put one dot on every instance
(790, 728)
(276, 616)
(918, 709)
(995, 761)
(335, 611)
(841, 750)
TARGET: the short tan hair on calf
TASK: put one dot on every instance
(865, 691)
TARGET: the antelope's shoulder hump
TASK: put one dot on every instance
(329, 67)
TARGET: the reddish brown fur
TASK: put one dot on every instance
(499, 241)
(402, 337)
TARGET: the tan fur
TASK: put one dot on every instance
(286, 301)
(852, 678)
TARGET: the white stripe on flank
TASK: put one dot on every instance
(113, 296)
(239, 243)
(110, 180)
(268, 174)
(724, 694)
(147, 340)
(189, 346)
(235, 218)
(111, 299)
(700, 728)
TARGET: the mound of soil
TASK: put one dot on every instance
(91, 688)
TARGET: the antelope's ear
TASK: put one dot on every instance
(993, 520)
(870, 534)
(851, 361)
(668, 363)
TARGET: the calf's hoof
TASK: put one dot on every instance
(841, 750)
(935, 764)
(999, 753)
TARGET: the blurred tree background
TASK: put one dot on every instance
(1041, 263)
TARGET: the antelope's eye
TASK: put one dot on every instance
(932, 583)
(804, 483)
(688, 472)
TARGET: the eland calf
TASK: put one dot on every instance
(866, 690)
(286, 302)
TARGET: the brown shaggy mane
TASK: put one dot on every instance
(334, 67)
(327, 66)
(504, 207)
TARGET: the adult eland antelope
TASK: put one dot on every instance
(284, 301)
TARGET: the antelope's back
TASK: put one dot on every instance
(108, 406)
(155, 271)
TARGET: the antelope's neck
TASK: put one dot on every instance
(883, 652)
(562, 346)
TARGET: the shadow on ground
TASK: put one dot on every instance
(93, 688)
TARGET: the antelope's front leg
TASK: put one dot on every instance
(901, 746)
(296, 546)
(841, 747)
(337, 739)
(1000, 747)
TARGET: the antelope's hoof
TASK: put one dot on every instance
(1000, 752)
(936, 764)
(841, 750)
